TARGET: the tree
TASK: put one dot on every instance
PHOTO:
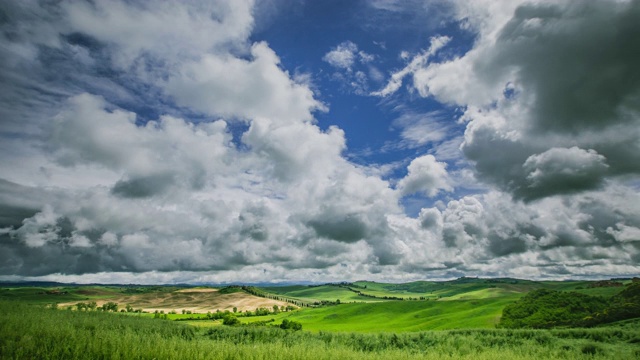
(110, 306)
(230, 320)
(235, 309)
(290, 325)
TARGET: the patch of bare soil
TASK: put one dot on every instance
(194, 301)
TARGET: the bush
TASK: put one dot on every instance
(288, 324)
(230, 320)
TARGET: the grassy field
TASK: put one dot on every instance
(398, 316)
(454, 320)
(33, 332)
(320, 293)
(46, 295)
(464, 288)
(459, 304)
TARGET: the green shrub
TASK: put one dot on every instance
(230, 320)
(288, 324)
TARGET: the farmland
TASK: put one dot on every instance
(454, 319)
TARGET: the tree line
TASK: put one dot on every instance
(544, 308)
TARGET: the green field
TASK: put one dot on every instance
(319, 293)
(399, 316)
(45, 295)
(463, 288)
(418, 320)
(33, 332)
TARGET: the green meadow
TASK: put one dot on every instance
(459, 319)
(35, 332)
(399, 316)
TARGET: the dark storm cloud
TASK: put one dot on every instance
(144, 186)
(252, 224)
(19, 202)
(562, 171)
(506, 244)
(578, 60)
(349, 228)
(58, 257)
(577, 86)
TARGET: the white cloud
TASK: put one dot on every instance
(167, 30)
(574, 168)
(229, 86)
(525, 99)
(425, 175)
(416, 63)
(350, 64)
(97, 191)
(365, 57)
(624, 233)
(342, 56)
(421, 129)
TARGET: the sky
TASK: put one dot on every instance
(272, 141)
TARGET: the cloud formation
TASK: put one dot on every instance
(525, 94)
(342, 56)
(136, 151)
(353, 68)
(426, 175)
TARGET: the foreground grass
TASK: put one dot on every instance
(28, 332)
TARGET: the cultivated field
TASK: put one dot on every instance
(422, 320)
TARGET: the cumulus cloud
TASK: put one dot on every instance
(623, 233)
(542, 76)
(229, 86)
(198, 157)
(125, 193)
(140, 30)
(561, 143)
(425, 175)
(562, 170)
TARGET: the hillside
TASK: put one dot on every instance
(400, 316)
(544, 308)
(362, 306)
(150, 299)
(462, 288)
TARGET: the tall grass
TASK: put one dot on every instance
(28, 332)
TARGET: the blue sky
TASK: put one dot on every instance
(303, 33)
(290, 140)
